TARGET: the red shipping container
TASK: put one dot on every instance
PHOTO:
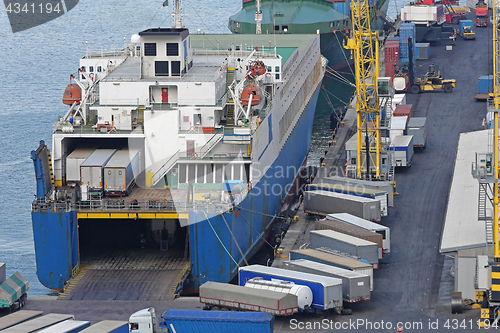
(392, 51)
(390, 68)
(402, 113)
(402, 107)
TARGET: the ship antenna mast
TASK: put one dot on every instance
(258, 19)
(177, 15)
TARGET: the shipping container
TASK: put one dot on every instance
(400, 82)
(38, 323)
(120, 172)
(73, 162)
(485, 84)
(108, 326)
(393, 38)
(18, 317)
(352, 230)
(386, 186)
(423, 14)
(416, 127)
(343, 7)
(398, 127)
(422, 51)
(334, 260)
(327, 291)
(345, 243)
(390, 68)
(303, 293)
(403, 110)
(67, 326)
(392, 51)
(199, 321)
(326, 202)
(359, 191)
(355, 286)
(402, 148)
(91, 173)
(369, 225)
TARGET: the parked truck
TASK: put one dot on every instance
(355, 286)
(345, 243)
(325, 202)
(39, 323)
(334, 260)
(466, 29)
(358, 191)
(67, 326)
(360, 222)
(13, 292)
(199, 321)
(223, 296)
(327, 291)
(18, 317)
(402, 150)
(73, 163)
(481, 14)
(120, 172)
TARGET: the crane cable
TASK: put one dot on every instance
(220, 241)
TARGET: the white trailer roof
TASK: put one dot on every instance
(105, 326)
(81, 153)
(121, 159)
(342, 195)
(279, 272)
(399, 122)
(98, 158)
(402, 141)
(343, 237)
(327, 268)
(417, 122)
(462, 230)
(349, 218)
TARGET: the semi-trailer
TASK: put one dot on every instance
(13, 292)
(352, 230)
(222, 296)
(67, 326)
(91, 173)
(416, 127)
(379, 185)
(120, 172)
(199, 321)
(73, 163)
(355, 286)
(39, 323)
(327, 291)
(345, 243)
(402, 150)
(363, 223)
(108, 326)
(18, 317)
(334, 260)
(322, 203)
(358, 191)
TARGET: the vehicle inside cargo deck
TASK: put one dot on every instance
(127, 259)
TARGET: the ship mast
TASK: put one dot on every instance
(258, 19)
(177, 24)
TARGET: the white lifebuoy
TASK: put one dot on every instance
(194, 156)
(91, 76)
(192, 129)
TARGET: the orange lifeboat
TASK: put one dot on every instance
(72, 94)
(251, 89)
(257, 68)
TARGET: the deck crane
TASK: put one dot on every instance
(364, 44)
(487, 171)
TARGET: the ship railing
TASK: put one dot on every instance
(97, 129)
(162, 171)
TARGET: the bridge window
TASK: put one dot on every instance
(161, 68)
(172, 49)
(91, 69)
(176, 68)
(150, 49)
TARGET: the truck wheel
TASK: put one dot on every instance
(346, 312)
(454, 20)
(447, 88)
(415, 89)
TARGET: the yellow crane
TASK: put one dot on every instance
(364, 45)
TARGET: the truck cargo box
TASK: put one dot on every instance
(485, 84)
(199, 321)
(325, 202)
(120, 172)
(403, 110)
(67, 326)
(416, 127)
(423, 14)
(38, 323)
(352, 230)
(74, 161)
(13, 289)
(334, 260)
(355, 286)
(358, 191)
(91, 170)
(422, 51)
(345, 243)
(386, 186)
(402, 148)
(18, 317)
(369, 225)
(327, 291)
(108, 326)
(398, 126)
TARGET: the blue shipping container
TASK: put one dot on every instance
(403, 50)
(422, 51)
(199, 321)
(343, 7)
(485, 84)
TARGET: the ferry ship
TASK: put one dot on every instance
(180, 146)
(329, 18)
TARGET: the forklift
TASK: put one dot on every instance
(432, 80)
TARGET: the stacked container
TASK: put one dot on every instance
(404, 110)
(391, 56)
(407, 30)
(422, 51)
